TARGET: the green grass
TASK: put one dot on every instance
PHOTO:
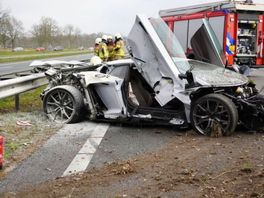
(29, 101)
(10, 148)
(31, 54)
(20, 141)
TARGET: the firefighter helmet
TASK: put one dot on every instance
(98, 41)
(104, 37)
(118, 36)
(110, 37)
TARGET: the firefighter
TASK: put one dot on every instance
(97, 46)
(119, 49)
(110, 47)
(103, 52)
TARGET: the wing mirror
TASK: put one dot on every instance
(188, 76)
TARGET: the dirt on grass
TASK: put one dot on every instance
(188, 166)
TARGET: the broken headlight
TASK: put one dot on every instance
(245, 92)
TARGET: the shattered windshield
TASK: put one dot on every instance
(171, 44)
(202, 66)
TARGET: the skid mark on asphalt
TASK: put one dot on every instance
(84, 156)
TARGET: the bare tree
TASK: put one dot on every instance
(77, 36)
(4, 15)
(89, 39)
(46, 31)
(69, 35)
(14, 30)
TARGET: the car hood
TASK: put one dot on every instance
(217, 76)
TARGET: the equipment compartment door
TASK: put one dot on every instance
(246, 52)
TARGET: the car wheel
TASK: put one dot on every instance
(214, 115)
(63, 104)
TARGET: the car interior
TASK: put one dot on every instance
(144, 102)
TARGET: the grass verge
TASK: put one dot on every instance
(21, 141)
(29, 101)
(8, 56)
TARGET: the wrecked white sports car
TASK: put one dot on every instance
(158, 85)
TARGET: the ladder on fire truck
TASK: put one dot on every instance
(221, 5)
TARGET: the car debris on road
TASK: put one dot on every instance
(23, 123)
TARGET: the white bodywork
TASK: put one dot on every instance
(160, 60)
(54, 63)
(121, 62)
(109, 90)
(154, 63)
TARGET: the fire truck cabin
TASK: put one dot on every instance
(238, 25)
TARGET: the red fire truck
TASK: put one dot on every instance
(238, 25)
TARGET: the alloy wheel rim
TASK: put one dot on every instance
(60, 106)
(209, 115)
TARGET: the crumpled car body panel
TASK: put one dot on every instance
(157, 85)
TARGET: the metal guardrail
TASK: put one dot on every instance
(15, 83)
(19, 85)
(11, 75)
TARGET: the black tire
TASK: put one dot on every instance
(213, 114)
(63, 104)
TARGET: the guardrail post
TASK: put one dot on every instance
(17, 102)
(20, 85)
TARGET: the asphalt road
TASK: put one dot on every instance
(53, 158)
(22, 66)
(119, 142)
(258, 77)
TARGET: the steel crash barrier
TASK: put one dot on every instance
(22, 84)
(12, 75)
(13, 87)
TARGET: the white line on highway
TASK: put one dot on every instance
(84, 156)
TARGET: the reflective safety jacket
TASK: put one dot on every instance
(103, 51)
(110, 47)
(96, 49)
(119, 49)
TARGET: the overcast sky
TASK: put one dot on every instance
(109, 16)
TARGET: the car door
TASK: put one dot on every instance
(206, 46)
(158, 56)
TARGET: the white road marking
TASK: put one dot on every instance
(81, 161)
